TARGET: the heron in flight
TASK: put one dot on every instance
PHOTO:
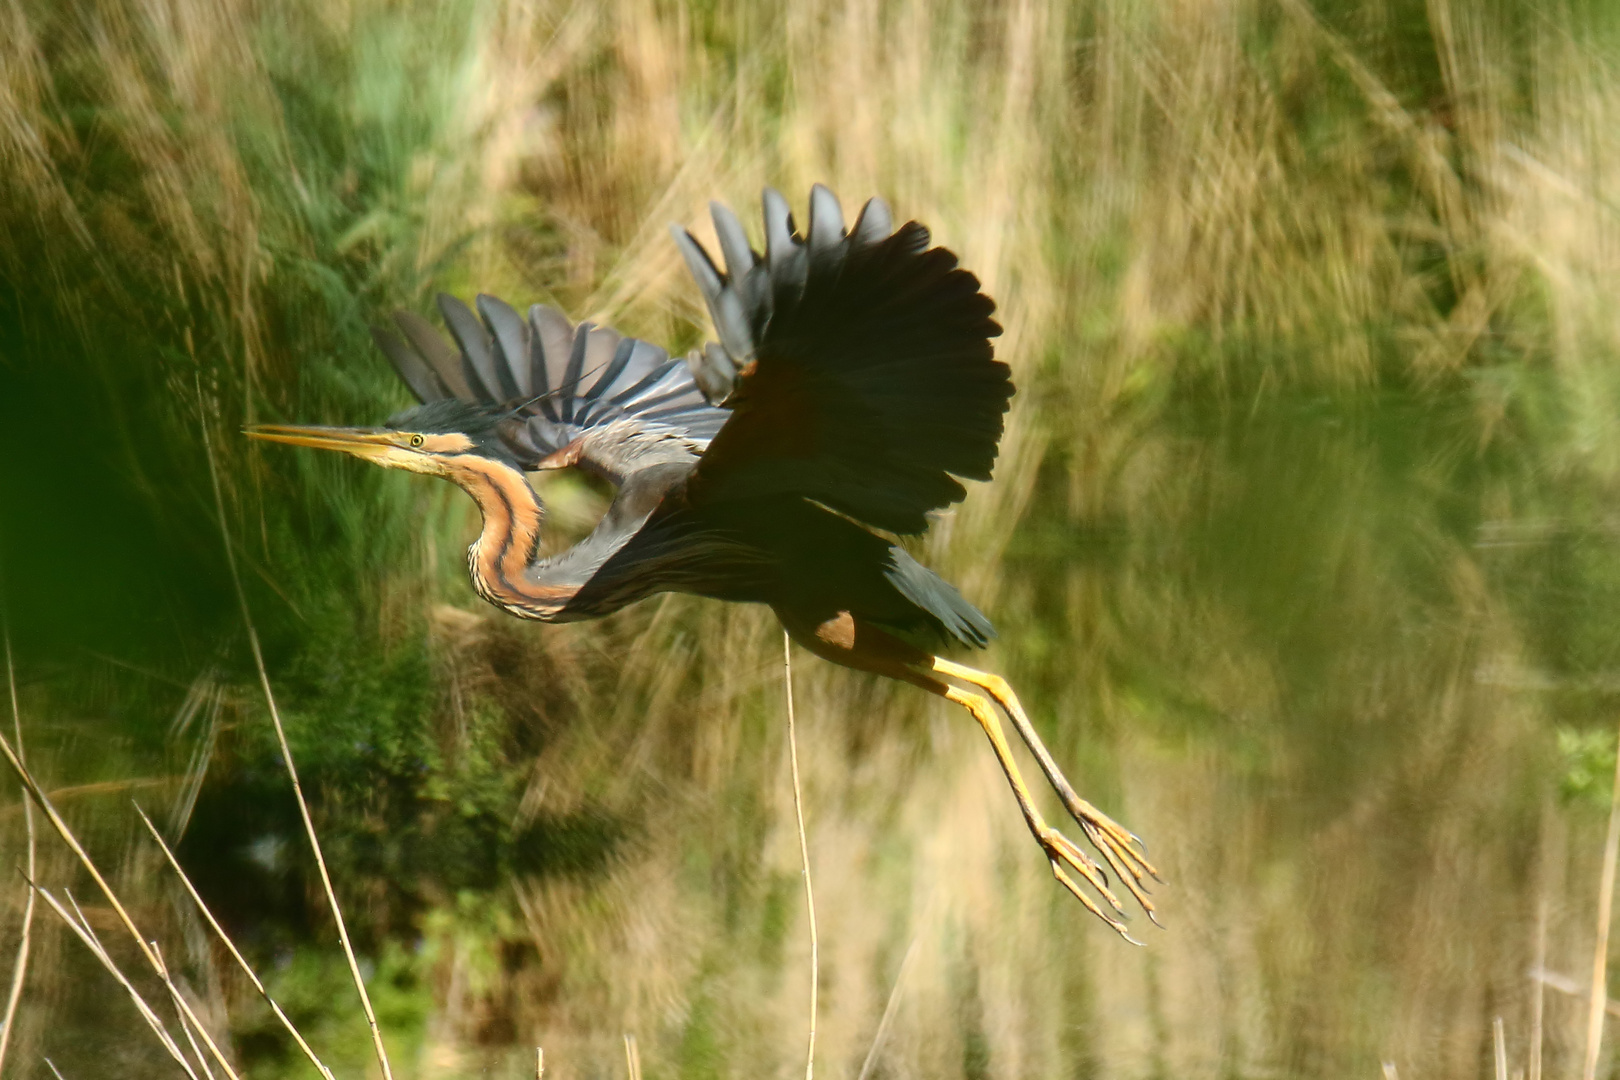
(854, 381)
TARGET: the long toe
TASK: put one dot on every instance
(1064, 855)
(1117, 849)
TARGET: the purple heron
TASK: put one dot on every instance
(854, 381)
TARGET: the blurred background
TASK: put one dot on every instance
(1304, 543)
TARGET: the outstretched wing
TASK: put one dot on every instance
(582, 395)
(857, 365)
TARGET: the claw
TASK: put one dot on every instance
(1113, 843)
(1058, 845)
(1091, 905)
(1102, 830)
(1118, 859)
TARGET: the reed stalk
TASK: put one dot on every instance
(804, 855)
(292, 770)
(19, 967)
(230, 946)
(1595, 1010)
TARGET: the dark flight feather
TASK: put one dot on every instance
(553, 383)
(863, 375)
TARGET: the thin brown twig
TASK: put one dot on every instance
(73, 844)
(804, 853)
(19, 969)
(292, 770)
(230, 946)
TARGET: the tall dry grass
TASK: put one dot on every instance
(1259, 606)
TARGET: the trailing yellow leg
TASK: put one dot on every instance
(845, 639)
(1060, 850)
(1120, 847)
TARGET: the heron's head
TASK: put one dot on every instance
(434, 438)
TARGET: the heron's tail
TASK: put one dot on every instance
(939, 599)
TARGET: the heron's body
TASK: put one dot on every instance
(853, 382)
(805, 562)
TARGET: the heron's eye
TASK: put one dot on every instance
(416, 440)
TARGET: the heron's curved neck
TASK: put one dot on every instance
(510, 541)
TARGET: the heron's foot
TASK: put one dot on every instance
(1122, 849)
(1124, 852)
(1064, 855)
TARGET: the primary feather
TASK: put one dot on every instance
(627, 402)
(862, 370)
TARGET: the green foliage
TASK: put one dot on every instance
(315, 990)
(1588, 766)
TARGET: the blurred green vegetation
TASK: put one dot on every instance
(1301, 547)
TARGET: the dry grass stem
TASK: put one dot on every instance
(1600, 948)
(225, 939)
(185, 1028)
(539, 1063)
(804, 853)
(19, 968)
(1538, 1001)
(1573, 987)
(292, 770)
(73, 844)
(1499, 1043)
(632, 1057)
(889, 1010)
(84, 933)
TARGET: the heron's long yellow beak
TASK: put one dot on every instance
(361, 442)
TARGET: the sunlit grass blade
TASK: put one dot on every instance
(292, 769)
(19, 968)
(230, 946)
(84, 933)
(89, 865)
